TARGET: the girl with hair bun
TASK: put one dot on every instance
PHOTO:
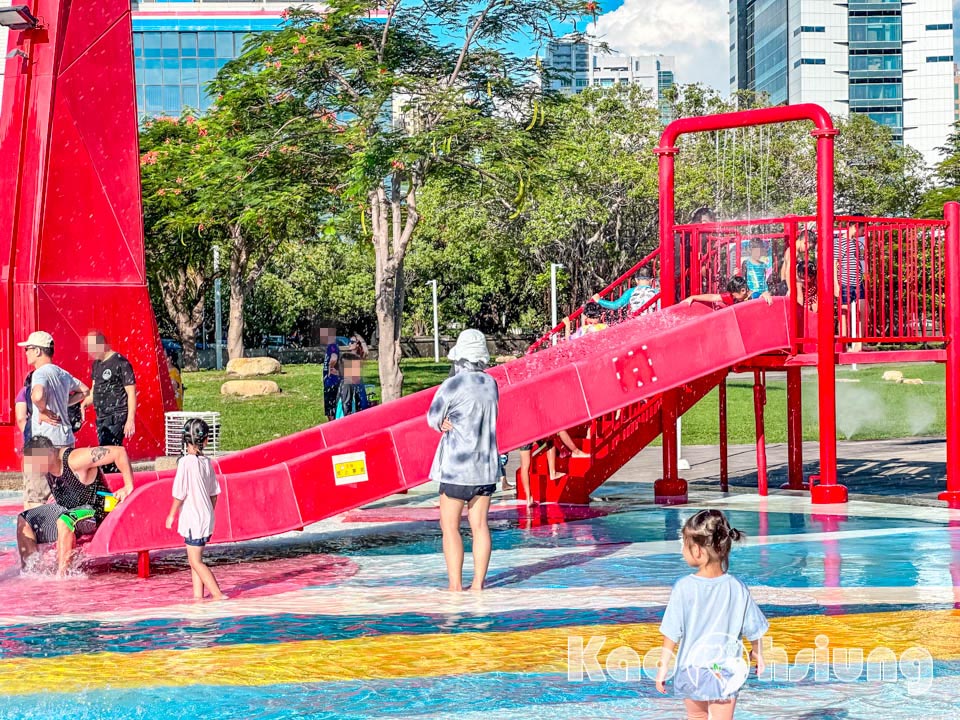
(195, 493)
(708, 615)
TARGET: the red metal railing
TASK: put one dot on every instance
(613, 291)
(890, 284)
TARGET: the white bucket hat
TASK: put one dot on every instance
(471, 346)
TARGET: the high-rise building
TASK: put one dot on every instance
(956, 93)
(578, 65)
(179, 45)
(887, 59)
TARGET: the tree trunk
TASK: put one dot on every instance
(186, 316)
(238, 286)
(187, 328)
(393, 221)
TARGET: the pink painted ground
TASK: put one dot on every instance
(116, 587)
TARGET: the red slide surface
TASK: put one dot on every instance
(289, 483)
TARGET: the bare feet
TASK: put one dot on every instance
(579, 454)
(476, 588)
(455, 588)
(557, 475)
(221, 596)
(530, 502)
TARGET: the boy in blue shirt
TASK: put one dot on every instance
(754, 269)
(636, 297)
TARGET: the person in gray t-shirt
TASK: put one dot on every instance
(52, 391)
(467, 462)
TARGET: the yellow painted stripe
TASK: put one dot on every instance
(400, 656)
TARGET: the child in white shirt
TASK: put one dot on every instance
(195, 492)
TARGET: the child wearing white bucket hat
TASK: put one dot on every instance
(467, 462)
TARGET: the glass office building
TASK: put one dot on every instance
(887, 59)
(179, 45)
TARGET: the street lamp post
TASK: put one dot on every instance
(218, 320)
(553, 296)
(436, 324)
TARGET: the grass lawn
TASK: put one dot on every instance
(869, 409)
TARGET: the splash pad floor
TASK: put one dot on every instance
(348, 619)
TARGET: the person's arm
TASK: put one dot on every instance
(130, 426)
(620, 302)
(663, 664)
(79, 393)
(364, 401)
(38, 396)
(708, 298)
(335, 362)
(21, 410)
(437, 414)
(88, 400)
(85, 458)
(767, 297)
(174, 509)
(756, 654)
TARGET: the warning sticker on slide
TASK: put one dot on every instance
(350, 468)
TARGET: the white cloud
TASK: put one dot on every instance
(695, 31)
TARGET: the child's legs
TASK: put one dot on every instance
(195, 556)
(723, 710)
(478, 508)
(716, 710)
(570, 444)
(197, 584)
(526, 457)
(451, 510)
(552, 461)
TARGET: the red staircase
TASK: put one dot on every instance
(611, 440)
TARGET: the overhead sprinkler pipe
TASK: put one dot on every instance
(828, 491)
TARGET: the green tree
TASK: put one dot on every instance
(391, 104)
(178, 252)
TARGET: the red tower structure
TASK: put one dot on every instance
(71, 223)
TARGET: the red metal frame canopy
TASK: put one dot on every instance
(828, 490)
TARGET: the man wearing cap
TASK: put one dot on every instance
(467, 462)
(53, 390)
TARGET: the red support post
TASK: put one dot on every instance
(143, 564)
(827, 490)
(724, 452)
(670, 489)
(759, 400)
(796, 292)
(952, 271)
(794, 431)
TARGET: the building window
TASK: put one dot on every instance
(875, 63)
(813, 28)
(941, 26)
(173, 68)
(810, 61)
(940, 58)
(876, 91)
(581, 82)
(881, 29)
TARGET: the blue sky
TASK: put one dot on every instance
(695, 31)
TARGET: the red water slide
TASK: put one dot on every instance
(289, 483)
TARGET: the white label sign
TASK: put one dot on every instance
(350, 468)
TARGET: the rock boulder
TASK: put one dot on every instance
(249, 388)
(251, 367)
(894, 376)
